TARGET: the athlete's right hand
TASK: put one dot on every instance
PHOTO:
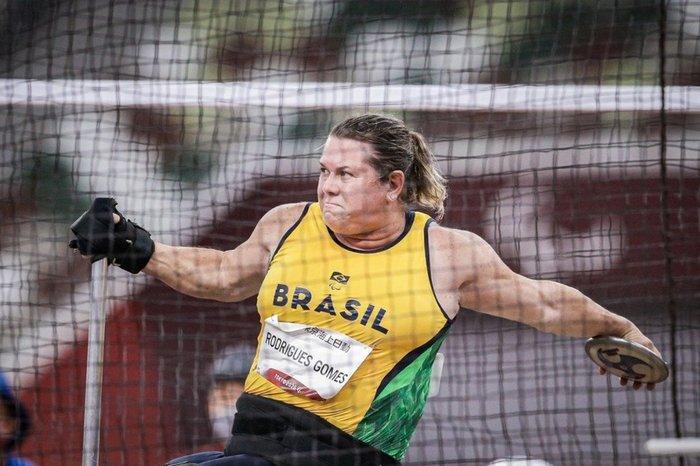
(103, 232)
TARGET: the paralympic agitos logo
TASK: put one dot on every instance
(352, 309)
(337, 280)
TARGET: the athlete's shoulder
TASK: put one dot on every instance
(285, 213)
(278, 221)
(453, 239)
(462, 252)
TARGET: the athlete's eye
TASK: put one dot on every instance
(323, 170)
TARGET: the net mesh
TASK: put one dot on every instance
(568, 131)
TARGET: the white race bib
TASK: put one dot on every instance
(308, 361)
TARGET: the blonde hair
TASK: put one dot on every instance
(398, 148)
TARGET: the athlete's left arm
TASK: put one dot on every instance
(487, 284)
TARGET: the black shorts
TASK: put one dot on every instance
(290, 436)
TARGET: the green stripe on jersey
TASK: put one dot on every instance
(391, 419)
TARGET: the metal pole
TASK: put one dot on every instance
(93, 373)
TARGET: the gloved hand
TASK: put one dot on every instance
(123, 243)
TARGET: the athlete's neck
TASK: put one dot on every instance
(379, 237)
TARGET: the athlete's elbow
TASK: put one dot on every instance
(225, 298)
(232, 291)
(228, 296)
(224, 294)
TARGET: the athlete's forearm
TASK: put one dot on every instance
(193, 271)
(571, 313)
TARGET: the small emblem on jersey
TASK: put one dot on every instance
(337, 280)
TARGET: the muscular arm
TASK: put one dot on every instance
(224, 275)
(488, 285)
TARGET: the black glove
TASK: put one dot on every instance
(124, 243)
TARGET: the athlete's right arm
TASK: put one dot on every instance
(102, 232)
(224, 275)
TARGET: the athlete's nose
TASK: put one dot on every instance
(330, 184)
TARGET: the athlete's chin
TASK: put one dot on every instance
(332, 219)
(335, 219)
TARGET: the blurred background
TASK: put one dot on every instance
(607, 201)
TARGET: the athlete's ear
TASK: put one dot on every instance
(396, 180)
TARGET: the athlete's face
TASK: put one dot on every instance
(350, 192)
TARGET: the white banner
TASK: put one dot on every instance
(308, 361)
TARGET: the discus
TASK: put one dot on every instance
(627, 359)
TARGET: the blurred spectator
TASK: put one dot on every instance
(14, 426)
(229, 371)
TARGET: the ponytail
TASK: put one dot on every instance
(426, 185)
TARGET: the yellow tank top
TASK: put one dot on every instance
(382, 298)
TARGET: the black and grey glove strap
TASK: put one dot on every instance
(123, 243)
